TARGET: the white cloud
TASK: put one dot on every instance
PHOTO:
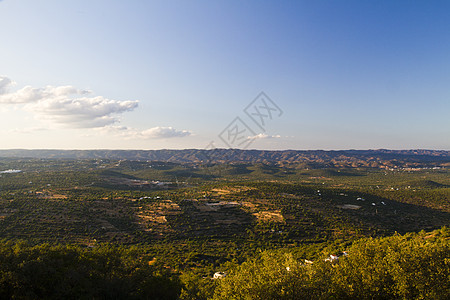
(65, 105)
(151, 133)
(75, 108)
(264, 136)
(5, 84)
(29, 94)
(81, 112)
(164, 132)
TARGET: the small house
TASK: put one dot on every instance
(218, 275)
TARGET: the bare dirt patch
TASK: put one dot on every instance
(269, 216)
(349, 206)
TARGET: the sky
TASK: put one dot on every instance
(229, 74)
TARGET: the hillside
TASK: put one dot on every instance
(312, 158)
(177, 224)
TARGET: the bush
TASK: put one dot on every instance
(414, 266)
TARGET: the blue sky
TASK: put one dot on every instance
(176, 74)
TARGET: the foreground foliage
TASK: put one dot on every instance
(413, 266)
(71, 272)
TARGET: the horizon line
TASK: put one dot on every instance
(184, 149)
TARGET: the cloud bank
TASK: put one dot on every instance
(151, 133)
(76, 108)
(81, 112)
(65, 105)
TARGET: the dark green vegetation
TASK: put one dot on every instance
(414, 266)
(111, 223)
(73, 272)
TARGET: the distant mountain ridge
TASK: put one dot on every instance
(313, 158)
